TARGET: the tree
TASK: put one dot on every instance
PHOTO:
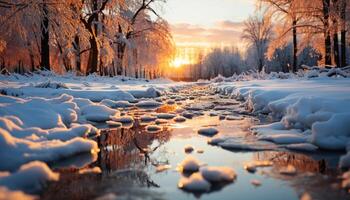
(258, 32)
(290, 12)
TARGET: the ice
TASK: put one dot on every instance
(208, 131)
(154, 128)
(149, 103)
(302, 147)
(116, 104)
(17, 151)
(218, 174)
(189, 164)
(232, 117)
(148, 93)
(123, 119)
(287, 138)
(148, 118)
(30, 177)
(194, 183)
(114, 124)
(179, 119)
(165, 116)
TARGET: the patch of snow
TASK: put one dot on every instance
(194, 183)
(189, 164)
(218, 174)
(208, 131)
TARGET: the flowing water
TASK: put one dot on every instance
(127, 167)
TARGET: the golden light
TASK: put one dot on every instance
(179, 62)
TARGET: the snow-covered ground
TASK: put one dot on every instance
(311, 111)
(46, 117)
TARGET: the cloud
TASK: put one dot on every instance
(225, 33)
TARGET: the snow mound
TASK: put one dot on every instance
(194, 183)
(123, 119)
(208, 131)
(150, 92)
(116, 104)
(30, 177)
(179, 119)
(165, 116)
(98, 113)
(147, 104)
(147, 118)
(153, 128)
(218, 174)
(189, 164)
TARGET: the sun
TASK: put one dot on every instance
(179, 62)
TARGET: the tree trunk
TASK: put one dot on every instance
(327, 37)
(76, 45)
(343, 33)
(93, 56)
(335, 35)
(45, 47)
(295, 47)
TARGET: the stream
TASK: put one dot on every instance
(134, 163)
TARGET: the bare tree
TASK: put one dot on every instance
(258, 32)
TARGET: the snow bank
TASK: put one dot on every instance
(189, 164)
(315, 111)
(30, 177)
(17, 151)
(194, 183)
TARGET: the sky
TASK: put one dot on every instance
(207, 23)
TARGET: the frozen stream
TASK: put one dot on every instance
(133, 163)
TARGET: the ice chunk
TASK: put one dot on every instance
(208, 131)
(256, 183)
(147, 118)
(288, 138)
(114, 124)
(218, 174)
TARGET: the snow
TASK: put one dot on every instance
(44, 117)
(30, 177)
(307, 110)
(194, 183)
(189, 164)
(165, 116)
(208, 131)
(123, 119)
(147, 118)
(148, 103)
(218, 174)
(17, 151)
(7, 194)
(98, 113)
(179, 119)
(154, 128)
(302, 147)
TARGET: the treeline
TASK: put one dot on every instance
(318, 26)
(107, 37)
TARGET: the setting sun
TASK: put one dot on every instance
(179, 62)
